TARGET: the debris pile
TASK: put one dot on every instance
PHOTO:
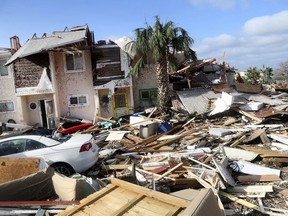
(238, 148)
(232, 143)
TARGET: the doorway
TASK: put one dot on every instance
(47, 114)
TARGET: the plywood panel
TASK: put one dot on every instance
(15, 168)
(153, 207)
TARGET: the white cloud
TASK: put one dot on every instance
(221, 4)
(277, 23)
(255, 46)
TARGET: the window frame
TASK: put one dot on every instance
(7, 101)
(65, 54)
(6, 68)
(150, 91)
(78, 104)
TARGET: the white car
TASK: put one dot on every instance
(75, 153)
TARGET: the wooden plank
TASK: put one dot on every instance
(240, 201)
(168, 172)
(150, 193)
(116, 166)
(133, 138)
(151, 139)
(238, 141)
(152, 206)
(258, 120)
(128, 205)
(276, 160)
(105, 119)
(91, 198)
(167, 142)
(265, 152)
(258, 178)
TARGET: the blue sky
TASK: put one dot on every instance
(250, 32)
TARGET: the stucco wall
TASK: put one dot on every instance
(33, 117)
(77, 83)
(7, 92)
(146, 80)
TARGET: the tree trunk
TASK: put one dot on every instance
(164, 97)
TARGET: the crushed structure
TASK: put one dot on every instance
(223, 145)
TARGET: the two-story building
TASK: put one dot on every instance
(66, 73)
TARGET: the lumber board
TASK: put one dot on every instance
(150, 193)
(154, 207)
(128, 205)
(258, 178)
(240, 201)
(91, 198)
(265, 152)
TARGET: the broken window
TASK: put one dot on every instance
(148, 94)
(3, 69)
(74, 62)
(78, 100)
(6, 106)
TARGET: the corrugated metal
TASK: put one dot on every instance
(57, 39)
(197, 100)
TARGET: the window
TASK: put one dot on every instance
(6, 106)
(33, 145)
(12, 147)
(3, 69)
(74, 62)
(78, 100)
(120, 100)
(148, 94)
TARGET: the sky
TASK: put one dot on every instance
(243, 33)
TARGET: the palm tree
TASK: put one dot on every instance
(160, 42)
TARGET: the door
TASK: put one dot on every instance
(120, 104)
(47, 114)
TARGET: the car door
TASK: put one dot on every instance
(22, 147)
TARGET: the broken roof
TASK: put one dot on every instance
(56, 39)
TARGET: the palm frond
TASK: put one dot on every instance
(137, 67)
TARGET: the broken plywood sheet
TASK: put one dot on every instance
(239, 154)
(220, 132)
(224, 173)
(258, 178)
(196, 100)
(120, 197)
(266, 100)
(36, 186)
(204, 202)
(283, 138)
(248, 88)
(251, 190)
(15, 168)
(252, 106)
(253, 169)
(116, 135)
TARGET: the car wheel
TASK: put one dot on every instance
(64, 169)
